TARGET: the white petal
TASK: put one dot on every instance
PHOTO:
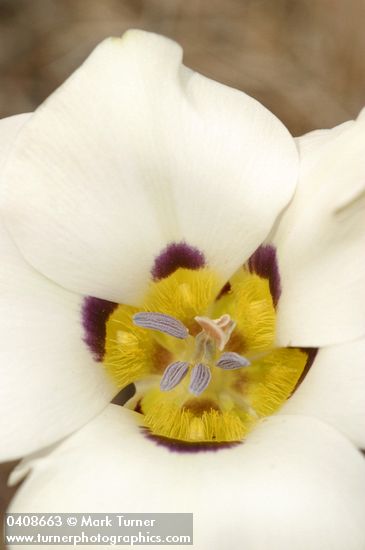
(295, 483)
(9, 128)
(321, 241)
(334, 390)
(45, 392)
(50, 385)
(136, 151)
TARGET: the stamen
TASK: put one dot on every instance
(200, 378)
(232, 361)
(161, 322)
(173, 375)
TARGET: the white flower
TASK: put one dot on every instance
(142, 183)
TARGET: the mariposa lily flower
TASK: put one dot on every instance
(163, 230)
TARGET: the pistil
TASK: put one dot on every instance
(219, 330)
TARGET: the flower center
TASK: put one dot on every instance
(204, 361)
(201, 354)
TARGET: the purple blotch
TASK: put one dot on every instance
(264, 263)
(176, 446)
(311, 354)
(176, 255)
(224, 290)
(95, 313)
(124, 395)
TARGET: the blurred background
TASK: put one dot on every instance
(304, 59)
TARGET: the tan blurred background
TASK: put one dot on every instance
(304, 59)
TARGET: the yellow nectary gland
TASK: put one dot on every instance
(203, 422)
(234, 399)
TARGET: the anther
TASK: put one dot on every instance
(162, 323)
(173, 375)
(200, 378)
(232, 361)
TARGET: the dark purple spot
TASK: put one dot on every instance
(264, 263)
(311, 355)
(176, 255)
(124, 395)
(95, 313)
(176, 446)
(224, 290)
